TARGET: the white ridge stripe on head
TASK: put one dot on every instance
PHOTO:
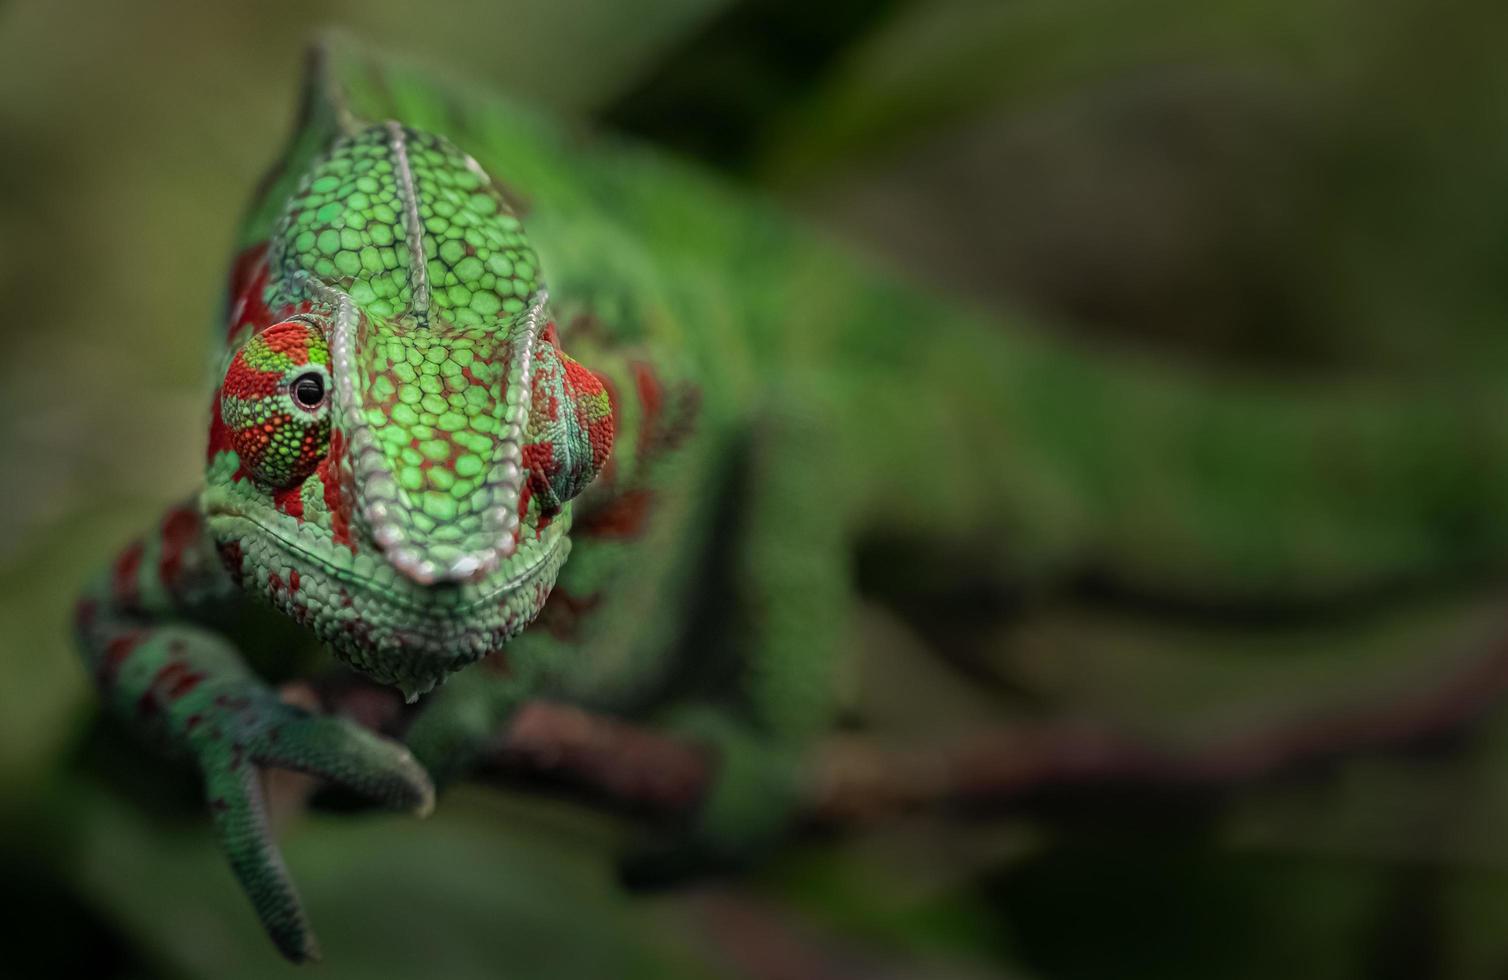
(507, 474)
(379, 497)
(418, 266)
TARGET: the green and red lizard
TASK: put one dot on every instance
(405, 461)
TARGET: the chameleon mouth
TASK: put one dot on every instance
(374, 618)
(374, 577)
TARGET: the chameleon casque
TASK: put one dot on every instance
(666, 462)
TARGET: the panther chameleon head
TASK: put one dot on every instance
(395, 442)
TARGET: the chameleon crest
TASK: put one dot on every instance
(397, 434)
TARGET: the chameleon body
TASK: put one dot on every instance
(404, 461)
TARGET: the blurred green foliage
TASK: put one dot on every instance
(1309, 187)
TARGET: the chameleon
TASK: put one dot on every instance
(651, 455)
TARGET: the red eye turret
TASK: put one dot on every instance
(570, 428)
(274, 403)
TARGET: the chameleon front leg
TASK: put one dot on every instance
(460, 721)
(186, 688)
(786, 610)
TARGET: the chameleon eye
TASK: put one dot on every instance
(570, 430)
(275, 403)
(309, 390)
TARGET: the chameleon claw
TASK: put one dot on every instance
(425, 806)
(336, 750)
(342, 752)
(240, 817)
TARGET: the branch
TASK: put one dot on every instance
(854, 779)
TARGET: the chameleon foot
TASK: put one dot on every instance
(247, 733)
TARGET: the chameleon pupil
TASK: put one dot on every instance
(309, 390)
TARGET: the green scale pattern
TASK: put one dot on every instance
(429, 400)
(347, 226)
(433, 356)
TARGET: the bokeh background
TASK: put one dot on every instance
(1307, 190)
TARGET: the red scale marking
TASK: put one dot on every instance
(610, 468)
(622, 517)
(248, 283)
(524, 496)
(329, 471)
(585, 384)
(538, 459)
(293, 344)
(249, 276)
(290, 501)
(169, 684)
(117, 651)
(178, 532)
(651, 398)
(231, 558)
(177, 679)
(219, 436)
(123, 576)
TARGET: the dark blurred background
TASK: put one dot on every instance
(1311, 189)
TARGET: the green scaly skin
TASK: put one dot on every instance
(776, 408)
